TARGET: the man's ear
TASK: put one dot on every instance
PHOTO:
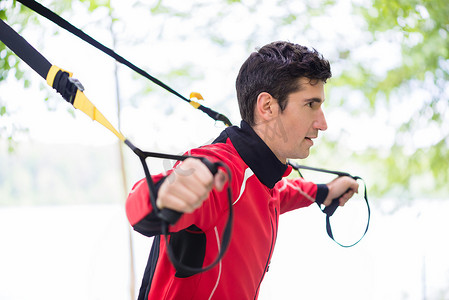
(266, 107)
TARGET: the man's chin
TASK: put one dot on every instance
(302, 155)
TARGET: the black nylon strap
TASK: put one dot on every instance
(215, 115)
(24, 50)
(50, 15)
(330, 209)
(296, 167)
(62, 82)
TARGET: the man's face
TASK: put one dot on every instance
(300, 122)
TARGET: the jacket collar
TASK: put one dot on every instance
(257, 155)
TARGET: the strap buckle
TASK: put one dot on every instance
(76, 83)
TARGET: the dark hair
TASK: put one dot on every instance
(275, 68)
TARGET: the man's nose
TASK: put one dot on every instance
(320, 122)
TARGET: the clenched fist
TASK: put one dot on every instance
(188, 186)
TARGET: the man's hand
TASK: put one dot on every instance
(343, 186)
(188, 186)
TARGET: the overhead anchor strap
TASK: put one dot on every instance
(50, 15)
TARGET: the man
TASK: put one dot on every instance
(280, 91)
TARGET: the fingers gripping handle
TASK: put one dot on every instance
(331, 208)
(172, 216)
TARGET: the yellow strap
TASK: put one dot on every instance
(52, 73)
(194, 104)
(82, 103)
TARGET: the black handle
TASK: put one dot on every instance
(331, 208)
(172, 216)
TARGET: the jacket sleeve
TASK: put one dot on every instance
(297, 193)
(144, 220)
(139, 210)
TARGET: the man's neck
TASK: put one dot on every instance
(270, 132)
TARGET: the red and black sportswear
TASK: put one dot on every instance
(260, 195)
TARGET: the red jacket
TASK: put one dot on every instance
(260, 195)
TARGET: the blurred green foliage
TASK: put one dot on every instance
(421, 28)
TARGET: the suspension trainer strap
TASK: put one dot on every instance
(24, 50)
(59, 79)
(330, 209)
(72, 91)
(50, 15)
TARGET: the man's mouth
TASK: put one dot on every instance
(310, 138)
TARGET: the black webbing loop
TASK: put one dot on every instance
(50, 15)
(169, 216)
(330, 209)
(328, 224)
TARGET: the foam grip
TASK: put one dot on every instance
(172, 216)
